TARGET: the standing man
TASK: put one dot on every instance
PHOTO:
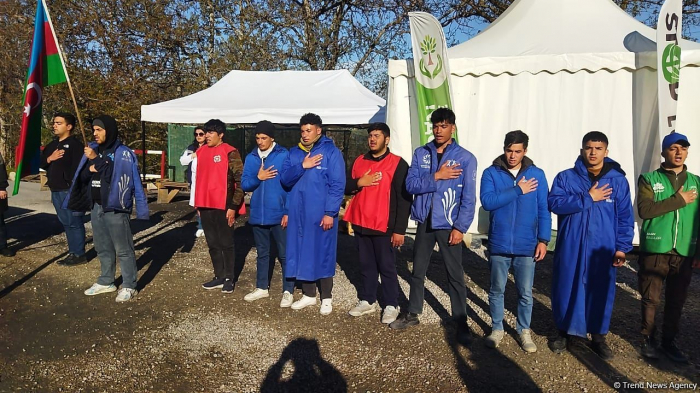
(667, 202)
(217, 197)
(189, 160)
(379, 214)
(60, 160)
(314, 173)
(442, 177)
(595, 231)
(514, 191)
(268, 210)
(107, 182)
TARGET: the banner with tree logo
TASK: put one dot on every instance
(668, 52)
(431, 68)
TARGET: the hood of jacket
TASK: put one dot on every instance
(501, 162)
(112, 132)
(613, 170)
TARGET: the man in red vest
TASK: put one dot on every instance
(218, 195)
(379, 216)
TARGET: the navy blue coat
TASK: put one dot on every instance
(517, 220)
(589, 233)
(269, 201)
(314, 192)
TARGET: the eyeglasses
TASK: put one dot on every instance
(198, 134)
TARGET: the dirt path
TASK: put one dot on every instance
(176, 337)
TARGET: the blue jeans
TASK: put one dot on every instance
(112, 237)
(262, 234)
(524, 272)
(72, 224)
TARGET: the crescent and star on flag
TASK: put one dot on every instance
(28, 105)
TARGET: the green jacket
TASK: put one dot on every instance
(672, 225)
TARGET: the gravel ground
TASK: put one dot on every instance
(177, 337)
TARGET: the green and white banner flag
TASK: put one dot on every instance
(668, 52)
(431, 68)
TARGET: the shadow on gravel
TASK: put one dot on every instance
(480, 368)
(310, 371)
(29, 227)
(7, 290)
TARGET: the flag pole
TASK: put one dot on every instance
(65, 71)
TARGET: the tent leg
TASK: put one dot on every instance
(143, 148)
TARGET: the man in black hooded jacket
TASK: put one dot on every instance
(107, 181)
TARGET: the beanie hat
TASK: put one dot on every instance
(265, 127)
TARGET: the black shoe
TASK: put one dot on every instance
(228, 286)
(649, 348)
(464, 334)
(73, 260)
(405, 320)
(673, 353)
(214, 283)
(7, 252)
(602, 349)
(558, 344)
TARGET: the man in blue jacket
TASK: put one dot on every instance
(106, 182)
(442, 177)
(314, 173)
(514, 191)
(595, 231)
(268, 209)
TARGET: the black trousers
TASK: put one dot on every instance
(3, 231)
(308, 288)
(452, 257)
(677, 271)
(220, 241)
(377, 259)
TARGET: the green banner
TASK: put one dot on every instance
(431, 69)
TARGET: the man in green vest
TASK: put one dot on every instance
(667, 202)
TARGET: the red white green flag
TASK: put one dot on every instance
(46, 68)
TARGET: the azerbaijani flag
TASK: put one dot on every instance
(46, 68)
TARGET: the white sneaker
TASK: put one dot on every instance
(97, 289)
(256, 294)
(305, 301)
(363, 308)
(199, 233)
(390, 314)
(287, 300)
(494, 339)
(126, 294)
(326, 306)
(526, 341)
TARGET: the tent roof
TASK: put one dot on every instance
(277, 96)
(555, 27)
(554, 35)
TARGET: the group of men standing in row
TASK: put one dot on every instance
(297, 195)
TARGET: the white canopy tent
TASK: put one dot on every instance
(277, 96)
(555, 69)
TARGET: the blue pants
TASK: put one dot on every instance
(524, 272)
(112, 237)
(72, 224)
(262, 234)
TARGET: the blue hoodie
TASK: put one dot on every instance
(269, 201)
(451, 202)
(120, 180)
(517, 221)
